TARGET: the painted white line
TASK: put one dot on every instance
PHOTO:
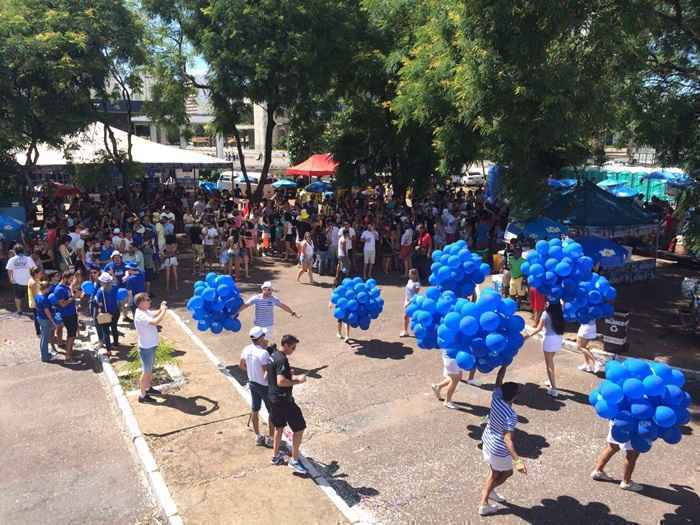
(353, 515)
(155, 479)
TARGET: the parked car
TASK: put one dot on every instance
(229, 180)
(473, 179)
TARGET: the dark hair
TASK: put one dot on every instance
(557, 316)
(509, 390)
(19, 249)
(289, 340)
(67, 274)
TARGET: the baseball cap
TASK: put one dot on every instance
(105, 278)
(257, 332)
(266, 284)
(115, 253)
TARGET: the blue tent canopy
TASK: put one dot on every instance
(561, 184)
(10, 227)
(603, 251)
(537, 228)
(284, 184)
(589, 207)
(319, 187)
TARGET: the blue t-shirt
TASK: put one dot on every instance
(105, 253)
(62, 292)
(107, 299)
(117, 270)
(42, 303)
(502, 419)
(136, 283)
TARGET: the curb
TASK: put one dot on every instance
(354, 516)
(573, 348)
(150, 468)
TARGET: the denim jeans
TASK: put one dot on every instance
(46, 328)
(323, 262)
(103, 332)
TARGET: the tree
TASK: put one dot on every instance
(274, 53)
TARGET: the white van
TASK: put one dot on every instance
(229, 180)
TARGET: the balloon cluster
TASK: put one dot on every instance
(426, 313)
(560, 271)
(485, 334)
(644, 402)
(457, 269)
(357, 302)
(215, 304)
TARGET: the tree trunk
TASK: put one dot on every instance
(241, 161)
(269, 128)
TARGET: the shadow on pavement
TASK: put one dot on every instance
(350, 494)
(527, 445)
(313, 373)
(534, 397)
(238, 374)
(682, 495)
(377, 349)
(190, 405)
(564, 509)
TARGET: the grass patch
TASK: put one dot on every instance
(131, 371)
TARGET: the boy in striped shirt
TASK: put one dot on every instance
(265, 304)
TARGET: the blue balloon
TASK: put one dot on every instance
(637, 368)
(639, 444)
(621, 433)
(673, 396)
(88, 287)
(211, 279)
(605, 410)
(654, 385)
(495, 342)
(216, 327)
(469, 326)
(641, 409)
(489, 321)
(677, 378)
(633, 388)
(646, 429)
(465, 360)
(122, 294)
(664, 416)
(203, 325)
(195, 303)
(671, 435)
(611, 392)
(224, 290)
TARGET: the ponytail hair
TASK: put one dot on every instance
(557, 316)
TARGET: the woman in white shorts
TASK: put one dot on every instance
(552, 321)
(170, 265)
(588, 332)
(306, 248)
(610, 450)
(452, 376)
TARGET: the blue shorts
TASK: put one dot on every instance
(147, 356)
(258, 395)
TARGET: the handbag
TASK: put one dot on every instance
(104, 317)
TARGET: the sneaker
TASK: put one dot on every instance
(147, 399)
(153, 392)
(547, 383)
(495, 496)
(268, 442)
(585, 368)
(487, 510)
(473, 382)
(631, 486)
(598, 367)
(297, 467)
(599, 475)
(260, 440)
(403, 334)
(553, 392)
(340, 336)
(451, 405)
(278, 459)
(436, 391)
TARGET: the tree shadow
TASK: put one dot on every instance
(190, 405)
(350, 494)
(377, 349)
(532, 396)
(684, 496)
(564, 509)
(527, 445)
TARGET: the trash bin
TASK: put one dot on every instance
(615, 333)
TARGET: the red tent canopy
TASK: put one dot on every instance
(319, 165)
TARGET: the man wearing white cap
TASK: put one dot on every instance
(105, 302)
(116, 267)
(254, 361)
(265, 304)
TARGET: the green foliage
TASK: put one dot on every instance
(165, 355)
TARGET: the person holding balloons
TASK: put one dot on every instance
(552, 322)
(265, 304)
(631, 456)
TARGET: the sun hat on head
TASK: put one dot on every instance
(117, 230)
(257, 332)
(115, 253)
(266, 284)
(105, 278)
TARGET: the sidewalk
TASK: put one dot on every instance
(63, 456)
(214, 471)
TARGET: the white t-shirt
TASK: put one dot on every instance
(147, 333)
(74, 240)
(352, 235)
(344, 244)
(256, 359)
(335, 235)
(370, 239)
(20, 266)
(407, 237)
(210, 235)
(412, 288)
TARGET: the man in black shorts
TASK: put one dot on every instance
(284, 411)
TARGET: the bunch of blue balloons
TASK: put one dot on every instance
(357, 302)
(215, 304)
(426, 313)
(644, 401)
(562, 272)
(485, 334)
(457, 269)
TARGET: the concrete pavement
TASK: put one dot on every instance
(63, 456)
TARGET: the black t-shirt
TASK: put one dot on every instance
(196, 234)
(278, 365)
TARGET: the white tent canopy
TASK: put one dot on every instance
(88, 147)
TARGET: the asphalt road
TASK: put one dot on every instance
(389, 446)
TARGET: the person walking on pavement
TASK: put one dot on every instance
(369, 240)
(146, 324)
(254, 361)
(105, 302)
(631, 457)
(552, 321)
(265, 304)
(44, 317)
(18, 267)
(284, 411)
(498, 446)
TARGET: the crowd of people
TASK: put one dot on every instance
(84, 251)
